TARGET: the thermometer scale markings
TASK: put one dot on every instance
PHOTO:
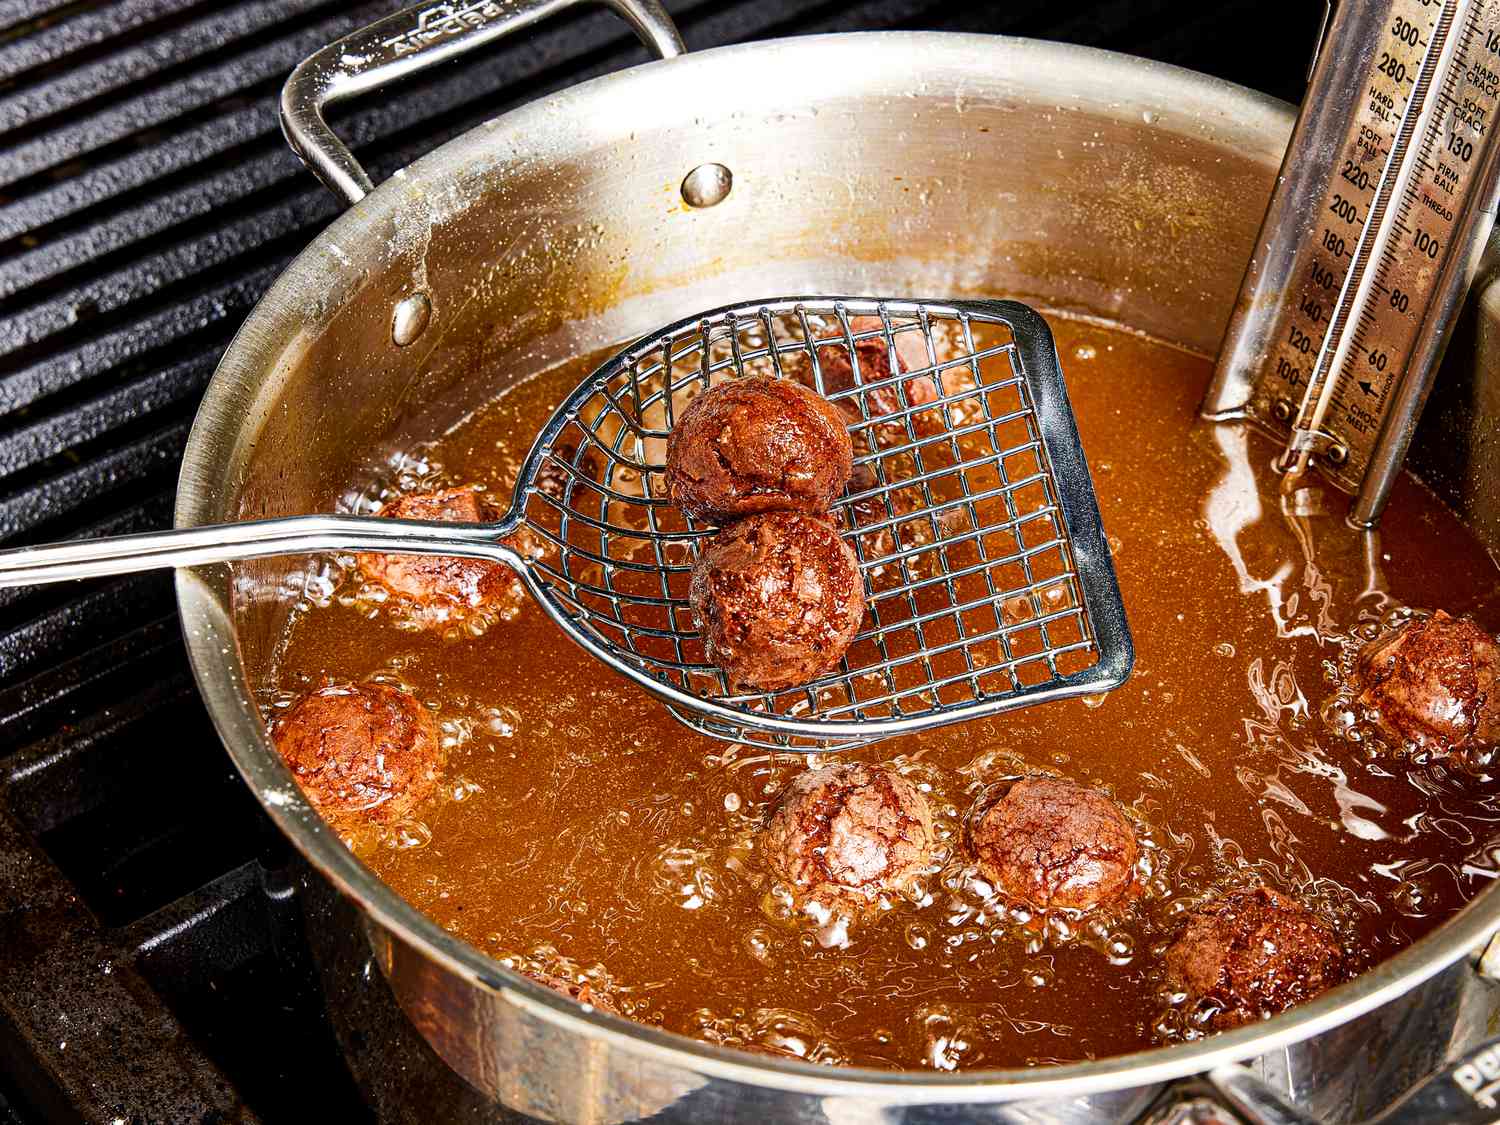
(1308, 433)
(1382, 245)
(1349, 193)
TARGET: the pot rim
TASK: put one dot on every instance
(242, 394)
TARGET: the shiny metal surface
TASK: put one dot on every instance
(1079, 179)
(409, 41)
(614, 557)
(253, 539)
(707, 185)
(610, 558)
(1190, 1108)
(1250, 1096)
(1371, 241)
(410, 319)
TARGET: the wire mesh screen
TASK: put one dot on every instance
(970, 511)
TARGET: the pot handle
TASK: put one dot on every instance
(1464, 1091)
(409, 41)
(1253, 1100)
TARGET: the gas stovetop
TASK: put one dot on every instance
(153, 963)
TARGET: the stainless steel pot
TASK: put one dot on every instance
(918, 163)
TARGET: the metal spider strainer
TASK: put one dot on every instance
(988, 580)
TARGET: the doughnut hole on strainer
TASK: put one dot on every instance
(757, 445)
(778, 598)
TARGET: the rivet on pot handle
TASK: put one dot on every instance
(409, 41)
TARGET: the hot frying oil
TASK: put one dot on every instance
(580, 829)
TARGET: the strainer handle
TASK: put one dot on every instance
(253, 539)
(409, 41)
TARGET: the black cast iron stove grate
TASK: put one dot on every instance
(152, 964)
